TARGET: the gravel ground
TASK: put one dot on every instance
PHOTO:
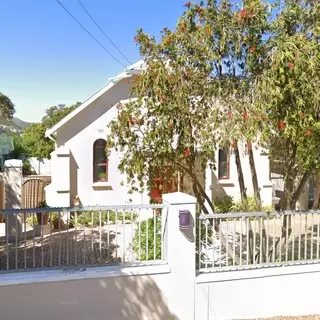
(69, 248)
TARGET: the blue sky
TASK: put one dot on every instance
(47, 59)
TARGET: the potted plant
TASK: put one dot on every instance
(102, 176)
(42, 217)
(57, 220)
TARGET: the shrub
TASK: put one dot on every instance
(92, 218)
(27, 169)
(148, 228)
(227, 204)
(252, 207)
(224, 204)
(31, 220)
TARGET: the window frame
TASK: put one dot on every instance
(224, 177)
(100, 164)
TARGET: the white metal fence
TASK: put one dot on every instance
(80, 237)
(251, 240)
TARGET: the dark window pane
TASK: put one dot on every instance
(223, 155)
(100, 155)
(223, 170)
(223, 166)
(100, 143)
(100, 166)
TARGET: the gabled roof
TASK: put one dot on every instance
(134, 69)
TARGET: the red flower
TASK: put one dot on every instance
(132, 122)
(243, 13)
(249, 145)
(253, 49)
(282, 125)
(187, 4)
(158, 92)
(229, 114)
(245, 116)
(170, 125)
(163, 99)
(290, 65)
(186, 152)
(308, 133)
(301, 115)
(182, 27)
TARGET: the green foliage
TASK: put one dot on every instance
(55, 216)
(227, 204)
(93, 218)
(147, 240)
(31, 220)
(34, 143)
(287, 93)
(175, 118)
(6, 107)
(18, 151)
(252, 206)
(228, 71)
(224, 204)
(27, 169)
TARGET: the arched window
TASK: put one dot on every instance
(100, 161)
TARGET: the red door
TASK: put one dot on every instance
(164, 182)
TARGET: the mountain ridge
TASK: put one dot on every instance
(13, 125)
(20, 123)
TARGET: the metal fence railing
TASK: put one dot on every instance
(250, 240)
(88, 236)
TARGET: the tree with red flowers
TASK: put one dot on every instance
(193, 96)
(229, 72)
(196, 75)
(287, 91)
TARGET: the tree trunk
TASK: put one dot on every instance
(244, 198)
(201, 196)
(299, 190)
(316, 192)
(257, 197)
(243, 191)
(254, 178)
(286, 225)
(216, 224)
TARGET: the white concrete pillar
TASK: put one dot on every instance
(180, 254)
(58, 194)
(12, 191)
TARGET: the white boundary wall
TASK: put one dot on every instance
(260, 293)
